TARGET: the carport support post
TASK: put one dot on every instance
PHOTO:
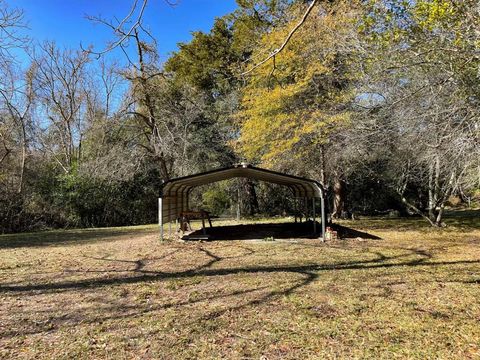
(305, 206)
(322, 205)
(160, 217)
(313, 215)
(295, 210)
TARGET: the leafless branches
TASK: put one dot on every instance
(11, 20)
(59, 85)
(121, 31)
(125, 28)
(285, 42)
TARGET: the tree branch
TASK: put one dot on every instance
(285, 42)
(124, 35)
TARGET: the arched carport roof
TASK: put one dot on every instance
(302, 187)
(174, 195)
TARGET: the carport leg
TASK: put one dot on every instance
(300, 211)
(305, 206)
(295, 210)
(322, 206)
(313, 215)
(170, 230)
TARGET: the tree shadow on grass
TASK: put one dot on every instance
(304, 275)
(127, 311)
(205, 270)
(66, 237)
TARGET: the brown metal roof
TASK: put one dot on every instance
(302, 187)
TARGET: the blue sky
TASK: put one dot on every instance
(63, 20)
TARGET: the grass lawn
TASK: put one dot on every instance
(119, 293)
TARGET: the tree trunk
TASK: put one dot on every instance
(322, 165)
(443, 199)
(251, 203)
(164, 173)
(238, 202)
(439, 218)
(431, 196)
(147, 110)
(22, 162)
(416, 210)
(339, 190)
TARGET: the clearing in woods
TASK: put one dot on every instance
(120, 293)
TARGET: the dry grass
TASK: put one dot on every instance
(120, 293)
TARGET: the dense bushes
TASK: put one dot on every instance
(80, 201)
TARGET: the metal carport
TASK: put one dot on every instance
(175, 192)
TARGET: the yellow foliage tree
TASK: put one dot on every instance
(293, 103)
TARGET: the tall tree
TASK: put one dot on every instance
(59, 84)
(297, 103)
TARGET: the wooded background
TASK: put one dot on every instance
(376, 99)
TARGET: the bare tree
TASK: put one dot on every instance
(11, 21)
(59, 85)
(437, 147)
(142, 73)
(16, 98)
(15, 89)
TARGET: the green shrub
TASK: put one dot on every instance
(216, 199)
